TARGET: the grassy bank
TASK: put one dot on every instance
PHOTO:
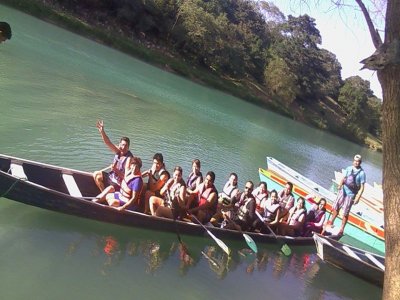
(153, 53)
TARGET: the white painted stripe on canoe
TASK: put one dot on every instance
(350, 252)
(71, 185)
(17, 170)
(375, 261)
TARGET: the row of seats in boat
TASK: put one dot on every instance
(51, 178)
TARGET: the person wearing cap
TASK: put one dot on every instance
(5, 31)
(350, 190)
(129, 194)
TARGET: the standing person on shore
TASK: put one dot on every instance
(5, 31)
(349, 191)
(120, 162)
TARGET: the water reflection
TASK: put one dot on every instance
(144, 256)
(116, 249)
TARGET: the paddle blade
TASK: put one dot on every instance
(250, 242)
(223, 246)
(286, 250)
(220, 243)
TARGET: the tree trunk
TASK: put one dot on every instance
(389, 78)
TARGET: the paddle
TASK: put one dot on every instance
(217, 240)
(250, 242)
(105, 169)
(184, 248)
(285, 248)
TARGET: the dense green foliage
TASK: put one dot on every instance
(363, 109)
(245, 41)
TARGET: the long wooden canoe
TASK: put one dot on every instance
(67, 191)
(363, 264)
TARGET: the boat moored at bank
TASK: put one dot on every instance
(360, 226)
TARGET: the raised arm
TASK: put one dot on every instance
(104, 136)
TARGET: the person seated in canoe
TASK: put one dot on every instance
(295, 222)
(158, 176)
(261, 195)
(227, 199)
(120, 162)
(286, 200)
(5, 31)
(207, 199)
(245, 215)
(171, 203)
(193, 181)
(270, 215)
(315, 218)
(128, 197)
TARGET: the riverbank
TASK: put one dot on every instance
(326, 114)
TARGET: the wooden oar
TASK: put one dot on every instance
(250, 242)
(105, 169)
(176, 225)
(285, 248)
(217, 240)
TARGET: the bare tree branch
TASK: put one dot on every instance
(376, 38)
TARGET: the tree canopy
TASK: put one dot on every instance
(245, 40)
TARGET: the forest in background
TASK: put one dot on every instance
(245, 47)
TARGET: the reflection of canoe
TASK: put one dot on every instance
(65, 190)
(361, 263)
(372, 195)
(364, 229)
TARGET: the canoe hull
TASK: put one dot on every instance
(46, 189)
(360, 263)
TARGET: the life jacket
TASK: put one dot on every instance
(160, 173)
(125, 191)
(157, 177)
(120, 161)
(192, 180)
(285, 199)
(173, 191)
(318, 215)
(226, 194)
(350, 181)
(270, 211)
(205, 193)
(243, 211)
(260, 197)
(296, 216)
